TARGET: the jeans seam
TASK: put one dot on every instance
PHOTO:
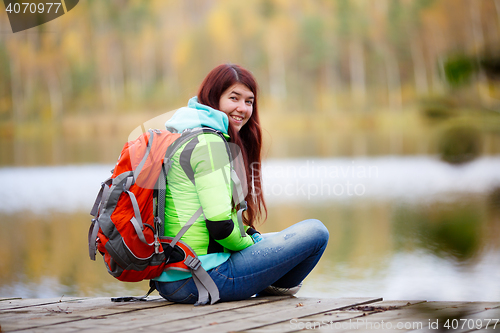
(179, 288)
(240, 277)
(216, 270)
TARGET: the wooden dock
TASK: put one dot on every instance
(271, 314)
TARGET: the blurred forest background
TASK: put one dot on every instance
(337, 78)
(385, 85)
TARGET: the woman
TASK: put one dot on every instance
(239, 266)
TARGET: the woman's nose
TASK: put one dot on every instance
(241, 106)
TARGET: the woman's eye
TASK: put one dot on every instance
(250, 103)
(233, 98)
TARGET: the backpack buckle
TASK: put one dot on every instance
(157, 245)
(193, 263)
(128, 183)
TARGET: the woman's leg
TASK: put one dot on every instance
(283, 259)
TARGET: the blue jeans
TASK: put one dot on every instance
(282, 259)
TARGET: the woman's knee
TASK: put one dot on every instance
(316, 228)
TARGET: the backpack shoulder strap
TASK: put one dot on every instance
(207, 289)
(167, 163)
(238, 196)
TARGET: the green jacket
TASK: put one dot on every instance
(200, 176)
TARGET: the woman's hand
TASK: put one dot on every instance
(254, 234)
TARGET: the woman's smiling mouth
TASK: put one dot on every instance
(237, 118)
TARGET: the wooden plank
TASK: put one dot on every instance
(108, 319)
(295, 324)
(140, 319)
(257, 315)
(331, 317)
(375, 307)
(263, 315)
(414, 318)
(55, 313)
(85, 305)
(29, 302)
(482, 316)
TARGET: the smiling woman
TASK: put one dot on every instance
(219, 92)
(237, 103)
(204, 177)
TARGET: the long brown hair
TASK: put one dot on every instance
(248, 139)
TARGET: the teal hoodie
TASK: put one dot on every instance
(215, 234)
(198, 115)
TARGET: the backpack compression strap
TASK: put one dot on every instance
(94, 227)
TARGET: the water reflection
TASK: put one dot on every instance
(441, 247)
(45, 255)
(453, 231)
(392, 250)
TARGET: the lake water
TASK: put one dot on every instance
(400, 227)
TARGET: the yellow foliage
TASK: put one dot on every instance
(182, 53)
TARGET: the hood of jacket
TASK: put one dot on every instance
(198, 115)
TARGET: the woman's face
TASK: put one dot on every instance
(237, 102)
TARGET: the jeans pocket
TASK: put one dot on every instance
(178, 292)
(190, 299)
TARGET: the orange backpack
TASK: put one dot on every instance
(128, 224)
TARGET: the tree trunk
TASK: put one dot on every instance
(55, 96)
(497, 6)
(357, 72)
(393, 81)
(17, 90)
(276, 63)
(476, 26)
(419, 69)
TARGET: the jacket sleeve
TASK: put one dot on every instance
(211, 168)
